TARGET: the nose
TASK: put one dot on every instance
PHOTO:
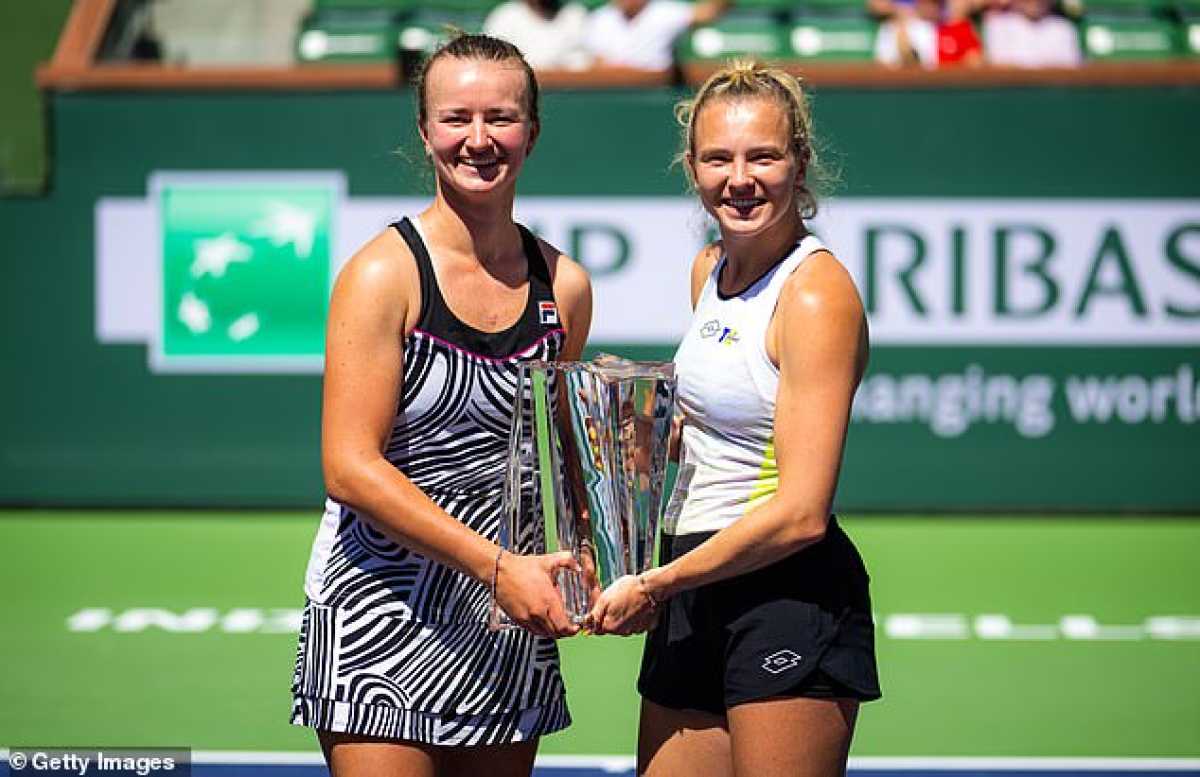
(477, 138)
(739, 176)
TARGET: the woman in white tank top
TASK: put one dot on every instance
(764, 644)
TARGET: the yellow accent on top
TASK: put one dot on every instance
(767, 482)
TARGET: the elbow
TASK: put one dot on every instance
(343, 479)
(807, 529)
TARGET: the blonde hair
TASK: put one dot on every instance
(741, 80)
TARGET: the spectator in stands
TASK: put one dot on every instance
(1028, 35)
(641, 33)
(908, 35)
(958, 44)
(548, 32)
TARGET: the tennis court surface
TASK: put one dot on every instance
(1044, 638)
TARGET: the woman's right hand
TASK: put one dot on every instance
(527, 592)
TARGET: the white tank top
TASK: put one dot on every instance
(726, 387)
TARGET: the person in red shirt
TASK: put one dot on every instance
(958, 43)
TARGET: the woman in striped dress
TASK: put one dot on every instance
(428, 323)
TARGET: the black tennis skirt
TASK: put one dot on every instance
(799, 627)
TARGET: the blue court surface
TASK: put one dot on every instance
(607, 766)
(282, 764)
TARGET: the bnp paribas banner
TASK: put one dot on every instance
(1025, 352)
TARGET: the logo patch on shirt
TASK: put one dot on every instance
(782, 660)
(725, 335)
(547, 312)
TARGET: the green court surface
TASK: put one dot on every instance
(1030, 636)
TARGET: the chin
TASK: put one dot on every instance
(744, 227)
(473, 185)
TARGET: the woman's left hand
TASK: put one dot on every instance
(623, 609)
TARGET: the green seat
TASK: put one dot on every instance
(833, 39)
(779, 7)
(1191, 37)
(406, 6)
(423, 31)
(322, 6)
(1188, 12)
(759, 36)
(830, 8)
(1112, 38)
(1128, 9)
(338, 37)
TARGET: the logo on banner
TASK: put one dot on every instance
(243, 272)
(547, 313)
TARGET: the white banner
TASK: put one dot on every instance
(953, 271)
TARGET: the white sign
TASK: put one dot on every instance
(953, 271)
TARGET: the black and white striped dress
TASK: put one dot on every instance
(393, 644)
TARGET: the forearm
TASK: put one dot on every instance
(773, 531)
(381, 493)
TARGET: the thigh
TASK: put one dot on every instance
(352, 755)
(673, 742)
(792, 737)
(509, 760)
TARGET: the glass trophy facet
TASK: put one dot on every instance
(587, 462)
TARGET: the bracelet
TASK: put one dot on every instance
(496, 573)
(646, 592)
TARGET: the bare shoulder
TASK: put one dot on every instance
(567, 276)
(702, 267)
(821, 287)
(381, 277)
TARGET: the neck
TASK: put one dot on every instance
(484, 230)
(747, 257)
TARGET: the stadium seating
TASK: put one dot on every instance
(1189, 15)
(833, 30)
(363, 35)
(809, 30)
(374, 30)
(743, 32)
(1129, 30)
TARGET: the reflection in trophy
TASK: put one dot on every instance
(587, 461)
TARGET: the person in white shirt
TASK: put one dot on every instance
(761, 641)
(549, 33)
(908, 33)
(1028, 35)
(641, 33)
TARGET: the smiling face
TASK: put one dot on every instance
(477, 128)
(742, 162)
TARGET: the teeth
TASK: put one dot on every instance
(743, 203)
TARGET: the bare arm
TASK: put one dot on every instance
(819, 339)
(373, 307)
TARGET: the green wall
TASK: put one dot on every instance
(89, 424)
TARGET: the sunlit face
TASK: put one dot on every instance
(477, 130)
(743, 166)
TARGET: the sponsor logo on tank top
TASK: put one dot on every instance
(547, 313)
(782, 660)
(725, 335)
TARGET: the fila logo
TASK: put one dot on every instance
(782, 660)
(725, 335)
(547, 313)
